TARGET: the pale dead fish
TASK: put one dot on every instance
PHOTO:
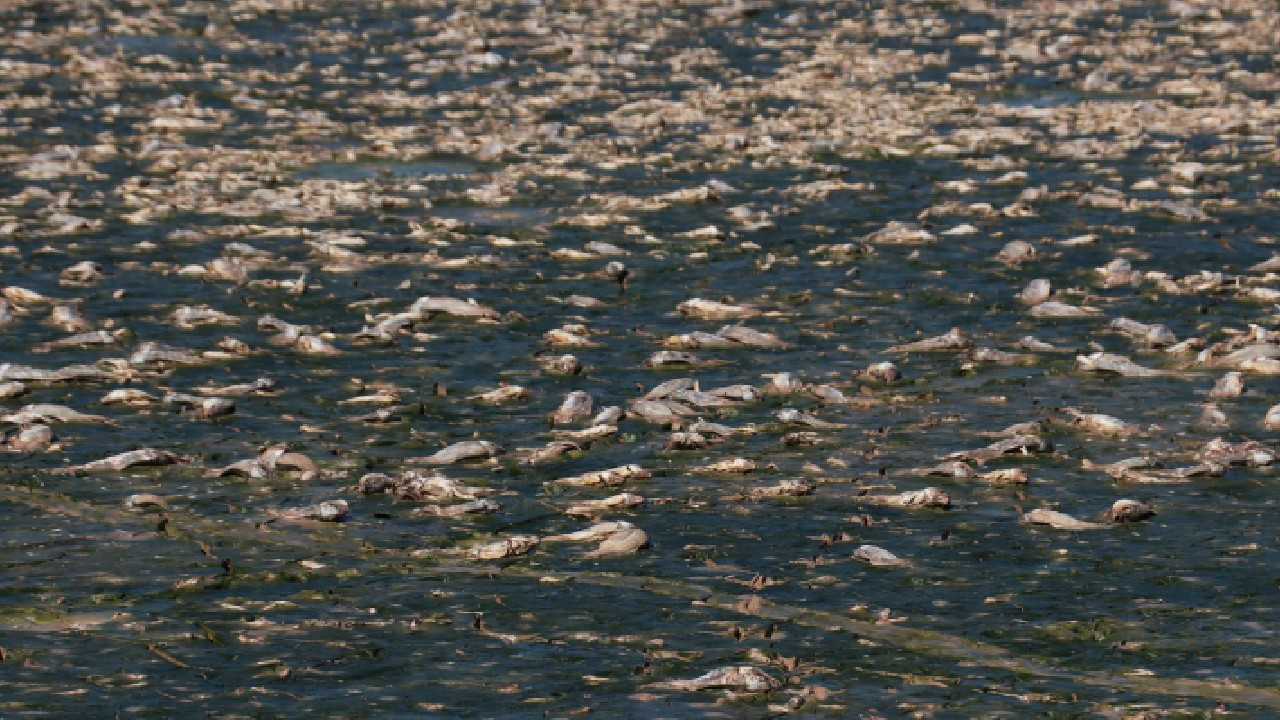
(576, 405)
(738, 678)
(1058, 520)
(506, 393)
(1101, 424)
(47, 413)
(878, 556)
(713, 310)
(621, 501)
(1108, 363)
(930, 497)
(732, 466)
(462, 451)
(611, 477)
(327, 511)
(31, 438)
(142, 457)
(1125, 510)
(950, 341)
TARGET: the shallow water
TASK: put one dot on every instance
(389, 137)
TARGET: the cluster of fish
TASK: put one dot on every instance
(561, 278)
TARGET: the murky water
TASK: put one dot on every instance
(386, 152)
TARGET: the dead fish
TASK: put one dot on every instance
(751, 338)
(30, 438)
(713, 310)
(327, 511)
(999, 357)
(23, 296)
(261, 386)
(1272, 419)
(482, 506)
(506, 393)
(666, 358)
(737, 393)
(188, 317)
(315, 345)
(595, 532)
(625, 542)
(786, 487)
(897, 232)
(68, 319)
(1016, 252)
(1016, 445)
(952, 340)
(699, 339)
(612, 477)
(1250, 452)
(1032, 344)
(142, 502)
(930, 497)
(509, 547)
(576, 405)
(783, 383)
(1036, 292)
(94, 338)
(1060, 310)
(83, 274)
(1058, 520)
(878, 556)
(1156, 336)
(153, 353)
(1121, 469)
(551, 451)
(226, 270)
(685, 441)
(1107, 363)
(621, 501)
(286, 333)
(142, 457)
(882, 372)
(1124, 510)
(129, 396)
(611, 415)
(1005, 476)
(595, 432)
(1030, 427)
(732, 466)
(664, 390)
(418, 486)
(1230, 385)
(47, 413)
(952, 469)
(1212, 416)
(801, 438)
(427, 307)
(827, 394)
(570, 336)
(1102, 424)
(12, 389)
(661, 412)
(791, 416)
(1116, 273)
(738, 678)
(462, 451)
(700, 399)
(205, 407)
(716, 430)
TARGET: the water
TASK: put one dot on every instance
(361, 121)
